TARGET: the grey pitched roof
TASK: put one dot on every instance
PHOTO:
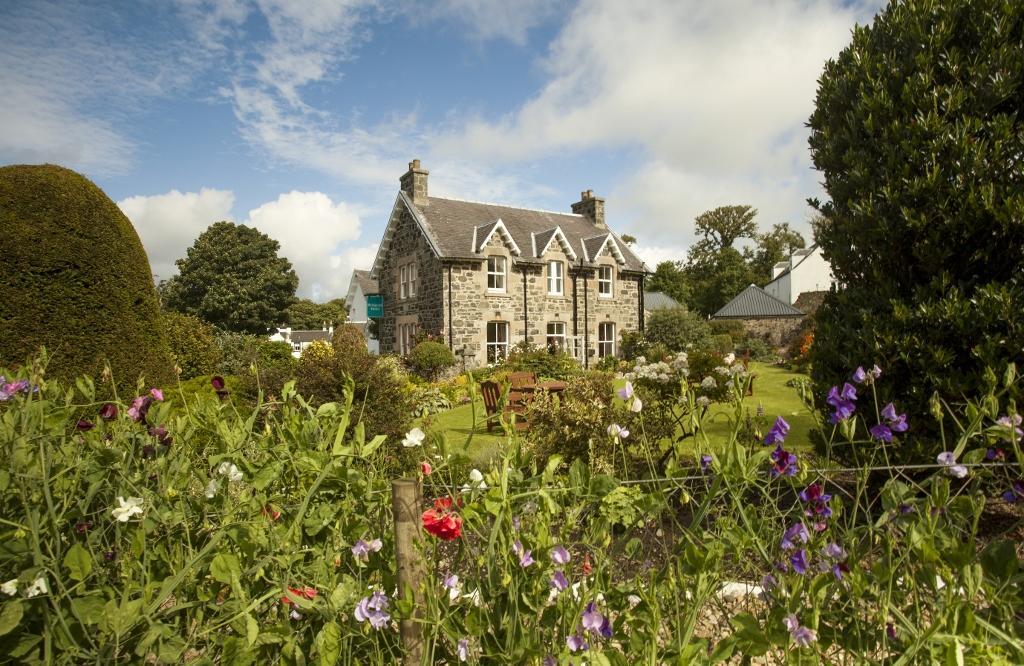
(366, 283)
(657, 300)
(449, 225)
(755, 303)
(309, 336)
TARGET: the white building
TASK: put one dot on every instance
(361, 286)
(299, 340)
(805, 271)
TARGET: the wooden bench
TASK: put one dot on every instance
(514, 403)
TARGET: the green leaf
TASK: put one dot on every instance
(999, 560)
(224, 566)
(78, 561)
(10, 616)
(235, 653)
(328, 643)
(252, 629)
(88, 609)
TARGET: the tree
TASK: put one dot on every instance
(721, 227)
(306, 315)
(669, 278)
(772, 247)
(919, 135)
(716, 278)
(76, 281)
(233, 279)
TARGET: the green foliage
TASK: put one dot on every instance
(772, 247)
(716, 278)
(669, 278)
(429, 359)
(429, 400)
(305, 315)
(540, 361)
(719, 229)
(677, 329)
(77, 280)
(239, 352)
(193, 344)
(918, 132)
(233, 278)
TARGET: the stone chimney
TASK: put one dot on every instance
(414, 183)
(591, 207)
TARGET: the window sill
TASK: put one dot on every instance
(497, 292)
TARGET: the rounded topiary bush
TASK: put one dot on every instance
(76, 280)
(428, 359)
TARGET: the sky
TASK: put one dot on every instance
(298, 118)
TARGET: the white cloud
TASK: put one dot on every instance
(169, 223)
(713, 94)
(489, 19)
(310, 228)
(652, 255)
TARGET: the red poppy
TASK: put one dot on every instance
(587, 568)
(441, 521)
(298, 593)
(269, 512)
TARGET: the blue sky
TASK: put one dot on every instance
(299, 117)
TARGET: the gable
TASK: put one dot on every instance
(542, 243)
(483, 235)
(402, 203)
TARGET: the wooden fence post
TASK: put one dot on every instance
(407, 506)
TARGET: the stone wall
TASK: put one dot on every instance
(777, 332)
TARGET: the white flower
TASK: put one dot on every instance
(39, 586)
(474, 598)
(633, 600)
(10, 588)
(129, 507)
(413, 438)
(729, 358)
(636, 405)
(211, 488)
(229, 470)
(709, 382)
(476, 479)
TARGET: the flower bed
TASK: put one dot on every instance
(185, 531)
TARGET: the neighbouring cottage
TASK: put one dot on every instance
(805, 271)
(360, 286)
(485, 276)
(762, 315)
(299, 340)
(657, 300)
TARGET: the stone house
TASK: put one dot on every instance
(359, 287)
(485, 277)
(762, 315)
(805, 271)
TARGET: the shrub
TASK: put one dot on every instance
(240, 351)
(633, 344)
(429, 359)
(193, 344)
(428, 400)
(918, 133)
(77, 280)
(678, 329)
(541, 361)
(574, 425)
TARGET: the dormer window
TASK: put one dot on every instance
(605, 278)
(555, 285)
(496, 271)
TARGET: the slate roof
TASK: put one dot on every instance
(657, 300)
(309, 336)
(452, 226)
(366, 283)
(755, 303)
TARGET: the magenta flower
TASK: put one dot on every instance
(785, 463)
(157, 394)
(559, 555)
(161, 435)
(108, 412)
(140, 406)
(802, 636)
(778, 432)
(217, 382)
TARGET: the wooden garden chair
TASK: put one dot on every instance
(495, 404)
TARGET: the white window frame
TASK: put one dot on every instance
(558, 340)
(605, 285)
(499, 347)
(605, 345)
(406, 333)
(412, 279)
(403, 282)
(499, 273)
(556, 278)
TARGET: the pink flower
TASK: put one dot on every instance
(157, 394)
(425, 468)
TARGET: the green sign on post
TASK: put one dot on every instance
(375, 306)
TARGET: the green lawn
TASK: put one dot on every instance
(770, 392)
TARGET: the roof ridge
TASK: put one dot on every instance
(501, 205)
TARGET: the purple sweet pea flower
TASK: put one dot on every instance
(525, 558)
(156, 394)
(802, 636)
(1015, 493)
(550, 661)
(139, 408)
(785, 463)
(595, 622)
(559, 555)
(799, 561)
(948, 460)
(373, 609)
(796, 533)
(626, 392)
(876, 371)
(576, 642)
(843, 401)
(897, 422)
(1012, 423)
(705, 463)
(778, 433)
(463, 650)
(881, 432)
(559, 581)
(859, 375)
(362, 549)
(995, 454)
